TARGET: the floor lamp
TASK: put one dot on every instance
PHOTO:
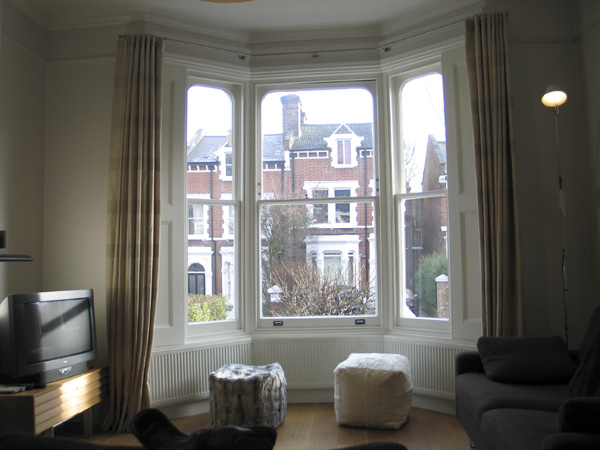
(553, 98)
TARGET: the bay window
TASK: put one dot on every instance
(295, 169)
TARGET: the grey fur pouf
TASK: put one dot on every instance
(248, 395)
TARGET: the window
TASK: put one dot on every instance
(196, 279)
(344, 155)
(423, 202)
(196, 219)
(342, 210)
(211, 206)
(312, 207)
(311, 231)
(320, 209)
(226, 164)
(330, 214)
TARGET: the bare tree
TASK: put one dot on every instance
(411, 163)
(306, 291)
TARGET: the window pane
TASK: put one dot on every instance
(211, 211)
(320, 210)
(424, 216)
(310, 271)
(316, 136)
(424, 134)
(426, 258)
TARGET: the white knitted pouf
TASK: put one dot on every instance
(248, 395)
(373, 390)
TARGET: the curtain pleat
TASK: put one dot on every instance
(133, 224)
(486, 42)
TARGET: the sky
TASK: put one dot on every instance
(320, 106)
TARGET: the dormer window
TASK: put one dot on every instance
(343, 143)
(344, 152)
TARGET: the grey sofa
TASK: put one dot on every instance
(531, 393)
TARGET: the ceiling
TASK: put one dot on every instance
(250, 17)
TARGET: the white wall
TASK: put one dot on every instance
(79, 104)
(22, 110)
(544, 50)
(589, 29)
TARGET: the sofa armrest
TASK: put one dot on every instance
(570, 441)
(579, 415)
(466, 362)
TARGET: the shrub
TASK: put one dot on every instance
(308, 292)
(430, 267)
(204, 308)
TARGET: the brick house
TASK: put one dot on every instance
(305, 161)
(426, 222)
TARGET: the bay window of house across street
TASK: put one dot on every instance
(317, 206)
(423, 200)
(210, 206)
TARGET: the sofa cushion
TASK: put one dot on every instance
(517, 429)
(478, 394)
(586, 380)
(526, 360)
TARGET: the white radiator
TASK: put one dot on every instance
(309, 362)
(432, 365)
(179, 375)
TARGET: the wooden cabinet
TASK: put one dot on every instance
(39, 410)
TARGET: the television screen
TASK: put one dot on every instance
(56, 329)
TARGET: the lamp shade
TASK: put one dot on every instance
(554, 96)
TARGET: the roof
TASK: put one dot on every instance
(312, 138)
(205, 149)
(440, 149)
(273, 147)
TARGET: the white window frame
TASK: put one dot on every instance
(406, 320)
(325, 324)
(198, 332)
(463, 251)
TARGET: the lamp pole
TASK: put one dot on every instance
(553, 98)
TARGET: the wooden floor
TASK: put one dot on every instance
(313, 426)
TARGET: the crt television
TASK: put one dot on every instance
(46, 336)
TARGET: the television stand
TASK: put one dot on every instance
(40, 410)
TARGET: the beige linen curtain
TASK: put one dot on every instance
(486, 43)
(133, 223)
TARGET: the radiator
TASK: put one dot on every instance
(432, 365)
(178, 375)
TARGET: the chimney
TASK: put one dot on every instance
(292, 116)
